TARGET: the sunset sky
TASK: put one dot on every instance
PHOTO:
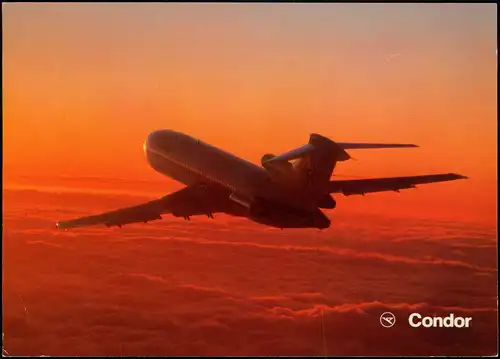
(84, 84)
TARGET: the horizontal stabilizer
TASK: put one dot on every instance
(353, 145)
(320, 143)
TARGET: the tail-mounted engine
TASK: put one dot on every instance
(280, 171)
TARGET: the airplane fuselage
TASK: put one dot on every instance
(251, 191)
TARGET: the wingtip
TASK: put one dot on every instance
(459, 176)
(60, 225)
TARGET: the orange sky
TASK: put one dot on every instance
(85, 83)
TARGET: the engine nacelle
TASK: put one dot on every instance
(280, 171)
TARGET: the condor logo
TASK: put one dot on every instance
(416, 320)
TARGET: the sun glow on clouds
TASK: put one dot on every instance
(230, 287)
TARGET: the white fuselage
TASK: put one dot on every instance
(191, 161)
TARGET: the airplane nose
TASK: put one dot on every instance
(161, 140)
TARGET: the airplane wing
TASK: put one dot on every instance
(189, 201)
(352, 187)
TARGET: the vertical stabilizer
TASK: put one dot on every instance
(316, 167)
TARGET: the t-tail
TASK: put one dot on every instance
(316, 160)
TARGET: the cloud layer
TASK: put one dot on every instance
(231, 287)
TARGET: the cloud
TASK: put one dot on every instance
(228, 287)
(45, 243)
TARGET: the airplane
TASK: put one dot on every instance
(287, 191)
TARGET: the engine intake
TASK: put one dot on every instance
(265, 158)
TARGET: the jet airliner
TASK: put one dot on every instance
(286, 191)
